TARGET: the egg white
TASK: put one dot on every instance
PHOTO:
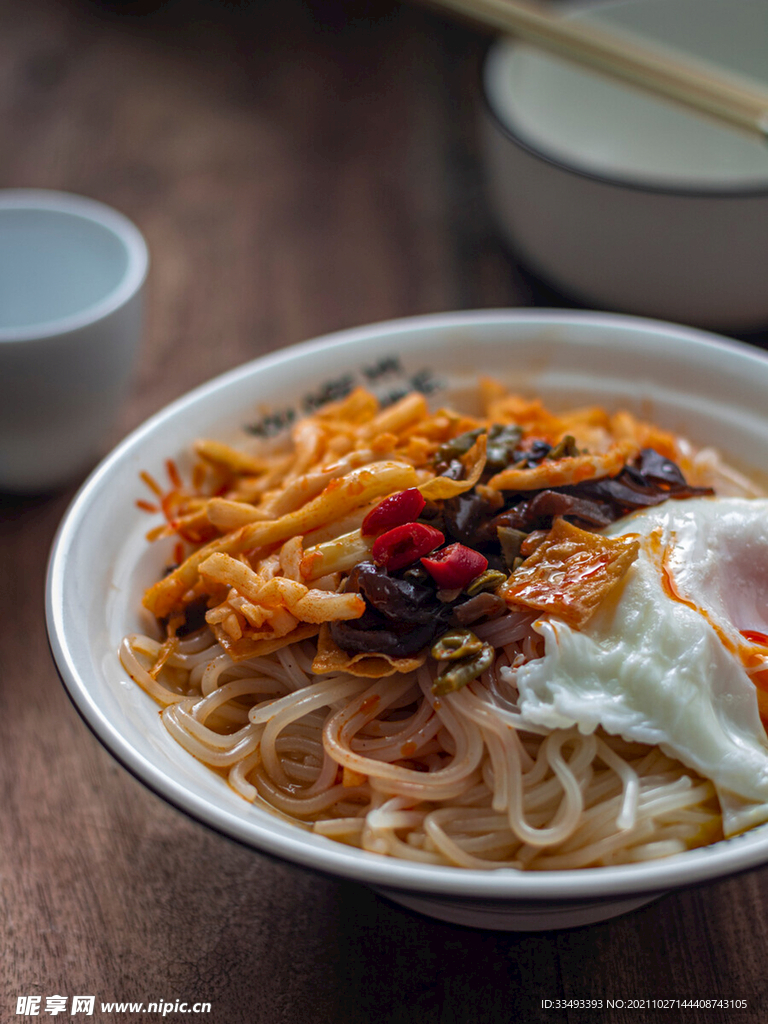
(663, 660)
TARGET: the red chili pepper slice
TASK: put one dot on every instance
(455, 566)
(755, 636)
(395, 510)
(405, 544)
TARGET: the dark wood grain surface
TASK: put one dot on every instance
(296, 168)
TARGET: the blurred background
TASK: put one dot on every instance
(296, 168)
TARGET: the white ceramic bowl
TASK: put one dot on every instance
(625, 201)
(72, 274)
(706, 387)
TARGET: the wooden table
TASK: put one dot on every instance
(296, 168)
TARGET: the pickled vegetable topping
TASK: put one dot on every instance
(509, 521)
(387, 527)
(464, 657)
(502, 448)
(454, 563)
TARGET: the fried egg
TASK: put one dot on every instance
(676, 655)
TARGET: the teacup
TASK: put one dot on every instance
(72, 272)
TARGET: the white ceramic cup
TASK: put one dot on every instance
(72, 272)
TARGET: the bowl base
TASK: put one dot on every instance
(520, 916)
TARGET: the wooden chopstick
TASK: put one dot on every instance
(695, 83)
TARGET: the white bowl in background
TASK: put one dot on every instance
(623, 200)
(706, 387)
(72, 274)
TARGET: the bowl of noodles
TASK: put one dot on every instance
(469, 608)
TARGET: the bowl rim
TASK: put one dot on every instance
(315, 852)
(627, 182)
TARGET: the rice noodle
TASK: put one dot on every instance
(454, 780)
